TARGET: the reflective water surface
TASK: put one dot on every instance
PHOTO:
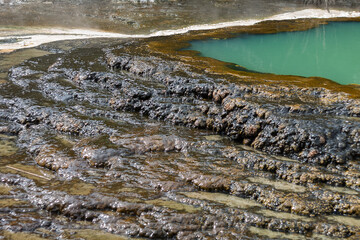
(330, 51)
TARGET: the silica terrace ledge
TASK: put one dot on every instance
(274, 99)
(85, 113)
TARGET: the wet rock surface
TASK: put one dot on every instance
(137, 145)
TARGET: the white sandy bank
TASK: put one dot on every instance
(56, 34)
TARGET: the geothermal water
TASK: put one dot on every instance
(330, 51)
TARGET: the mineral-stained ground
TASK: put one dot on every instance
(108, 139)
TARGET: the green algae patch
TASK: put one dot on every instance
(74, 187)
(29, 171)
(7, 137)
(173, 205)
(119, 188)
(278, 158)
(90, 234)
(278, 184)
(283, 215)
(11, 203)
(65, 141)
(3, 76)
(275, 235)
(7, 148)
(243, 147)
(7, 145)
(342, 190)
(4, 190)
(350, 221)
(228, 200)
(214, 137)
(126, 189)
(17, 57)
(21, 236)
(284, 159)
(320, 237)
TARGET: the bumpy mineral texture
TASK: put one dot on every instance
(138, 144)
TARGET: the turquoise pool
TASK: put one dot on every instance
(331, 51)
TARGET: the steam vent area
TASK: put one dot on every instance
(180, 119)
